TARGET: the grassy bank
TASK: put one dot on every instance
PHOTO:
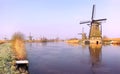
(7, 60)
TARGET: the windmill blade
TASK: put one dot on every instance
(89, 25)
(85, 22)
(79, 33)
(101, 19)
(93, 12)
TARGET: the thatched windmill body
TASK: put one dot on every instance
(95, 33)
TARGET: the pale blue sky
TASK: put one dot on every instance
(57, 18)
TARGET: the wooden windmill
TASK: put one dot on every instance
(95, 33)
(83, 34)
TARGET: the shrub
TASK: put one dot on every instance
(18, 46)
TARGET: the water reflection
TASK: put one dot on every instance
(30, 45)
(95, 55)
(44, 43)
(116, 45)
(61, 58)
(74, 44)
(84, 46)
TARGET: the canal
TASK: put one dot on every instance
(63, 58)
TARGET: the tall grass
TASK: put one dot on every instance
(18, 46)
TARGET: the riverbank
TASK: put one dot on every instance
(7, 60)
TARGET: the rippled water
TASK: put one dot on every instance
(63, 58)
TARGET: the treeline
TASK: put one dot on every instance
(44, 39)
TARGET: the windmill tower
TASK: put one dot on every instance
(95, 33)
(30, 38)
(83, 34)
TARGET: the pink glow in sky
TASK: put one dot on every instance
(57, 18)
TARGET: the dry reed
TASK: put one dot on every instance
(18, 46)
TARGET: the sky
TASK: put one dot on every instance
(57, 18)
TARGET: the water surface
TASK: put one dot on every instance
(63, 58)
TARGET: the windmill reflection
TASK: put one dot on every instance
(95, 54)
(30, 45)
(73, 44)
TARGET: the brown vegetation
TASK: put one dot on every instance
(73, 40)
(111, 40)
(18, 46)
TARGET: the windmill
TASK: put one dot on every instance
(30, 37)
(95, 33)
(83, 34)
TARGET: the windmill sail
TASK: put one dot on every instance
(95, 35)
(93, 12)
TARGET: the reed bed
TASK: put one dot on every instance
(18, 46)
